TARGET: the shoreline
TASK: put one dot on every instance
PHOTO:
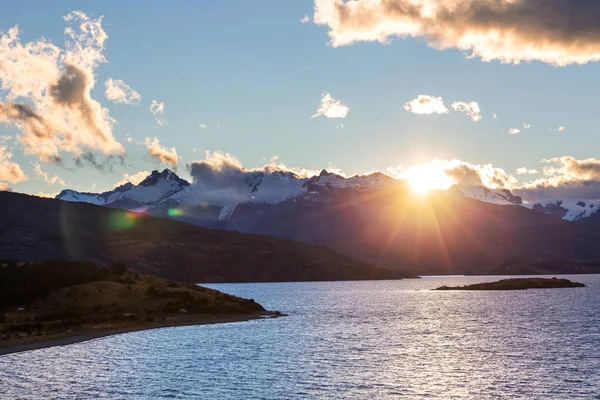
(84, 337)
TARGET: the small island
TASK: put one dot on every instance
(518, 284)
(60, 302)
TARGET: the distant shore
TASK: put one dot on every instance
(78, 337)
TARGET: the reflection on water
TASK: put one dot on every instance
(343, 340)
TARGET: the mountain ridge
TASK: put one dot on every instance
(39, 229)
(381, 220)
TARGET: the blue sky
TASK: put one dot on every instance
(255, 71)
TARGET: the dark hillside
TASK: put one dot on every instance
(37, 229)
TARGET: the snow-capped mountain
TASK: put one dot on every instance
(164, 190)
(501, 197)
(372, 217)
(156, 187)
(568, 209)
(212, 200)
(94, 198)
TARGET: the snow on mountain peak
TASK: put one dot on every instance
(166, 175)
(481, 193)
(154, 188)
(568, 209)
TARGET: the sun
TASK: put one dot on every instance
(427, 177)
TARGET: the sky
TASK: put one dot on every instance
(93, 94)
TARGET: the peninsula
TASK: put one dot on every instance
(60, 302)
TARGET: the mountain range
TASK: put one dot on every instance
(40, 229)
(165, 190)
(375, 218)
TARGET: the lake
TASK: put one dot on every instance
(343, 340)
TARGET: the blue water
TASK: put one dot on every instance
(343, 340)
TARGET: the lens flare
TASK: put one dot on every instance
(123, 220)
(174, 212)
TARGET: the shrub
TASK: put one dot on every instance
(153, 292)
(117, 269)
(22, 284)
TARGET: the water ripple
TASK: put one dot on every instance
(343, 340)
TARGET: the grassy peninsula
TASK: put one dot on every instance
(55, 301)
(518, 284)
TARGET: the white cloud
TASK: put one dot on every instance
(221, 178)
(526, 126)
(340, 127)
(305, 19)
(50, 195)
(133, 178)
(560, 128)
(471, 109)
(426, 105)
(48, 91)
(10, 171)
(525, 170)
(119, 92)
(394, 171)
(52, 180)
(557, 32)
(161, 153)
(479, 174)
(331, 108)
(158, 110)
(564, 178)
(444, 173)
(203, 126)
(495, 116)
(514, 131)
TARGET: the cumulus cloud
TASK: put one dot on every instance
(561, 128)
(10, 172)
(564, 178)
(525, 170)
(495, 116)
(221, 179)
(395, 171)
(426, 105)
(465, 173)
(52, 180)
(158, 110)
(471, 109)
(47, 91)
(558, 32)
(340, 127)
(133, 178)
(459, 172)
(4, 187)
(514, 131)
(331, 108)
(50, 195)
(119, 92)
(579, 169)
(203, 126)
(161, 153)
(526, 126)
(305, 19)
